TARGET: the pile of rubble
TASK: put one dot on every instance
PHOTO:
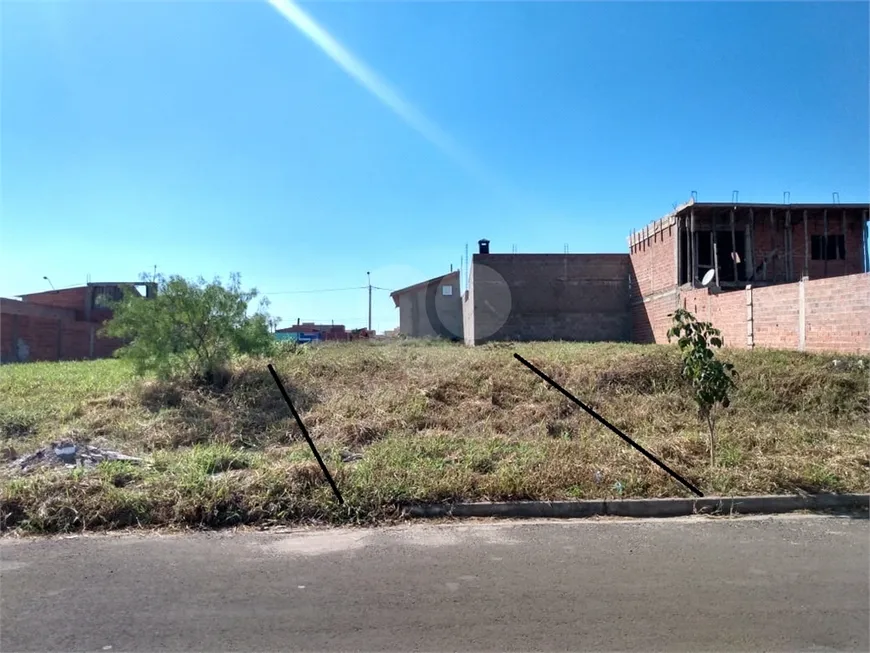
(68, 454)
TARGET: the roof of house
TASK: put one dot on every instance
(451, 276)
(87, 285)
(688, 207)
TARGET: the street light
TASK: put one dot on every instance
(49, 282)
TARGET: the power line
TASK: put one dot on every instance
(295, 292)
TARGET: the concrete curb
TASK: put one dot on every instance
(644, 507)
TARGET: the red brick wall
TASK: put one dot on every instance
(653, 272)
(653, 267)
(765, 239)
(74, 298)
(6, 343)
(838, 314)
(727, 312)
(650, 320)
(39, 336)
(776, 316)
(48, 333)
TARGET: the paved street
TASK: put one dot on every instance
(786, 583)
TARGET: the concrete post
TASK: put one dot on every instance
(749, 238)
(750, 333)
(802, 315)
(89, 302)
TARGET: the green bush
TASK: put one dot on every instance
(190, 329)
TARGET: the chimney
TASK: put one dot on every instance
(483, 245)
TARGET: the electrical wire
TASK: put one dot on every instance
(295, 292)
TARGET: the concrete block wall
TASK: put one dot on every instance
(425, 311)
(581, 297)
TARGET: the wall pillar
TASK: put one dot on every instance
(750, 333)
(802, 315)
(14, 351)
(864, 232)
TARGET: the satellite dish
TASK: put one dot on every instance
(708, 278)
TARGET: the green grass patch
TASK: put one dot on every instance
(37, 397)
(433, 422)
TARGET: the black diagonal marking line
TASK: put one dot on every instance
(609, 425)
(305, 433)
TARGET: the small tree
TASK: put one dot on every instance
(190, 328)
(710, 378)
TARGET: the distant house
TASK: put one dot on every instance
(431, 308)
(309, 331)
(61, 324)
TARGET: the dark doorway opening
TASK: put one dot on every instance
(725, 255)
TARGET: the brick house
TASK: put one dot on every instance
(61, 324)
(783, 275)
(316, 331)
(306, 331)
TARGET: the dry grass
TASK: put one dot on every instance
(433, 422)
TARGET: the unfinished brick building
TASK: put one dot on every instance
(783, 275)
(61, 324)
(792, 276)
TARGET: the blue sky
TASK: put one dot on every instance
(216, 137)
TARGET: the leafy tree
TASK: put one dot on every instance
(710, 378)
(190, 328)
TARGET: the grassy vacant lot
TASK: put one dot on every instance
(433, 422)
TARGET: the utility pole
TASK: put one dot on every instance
(369, 275)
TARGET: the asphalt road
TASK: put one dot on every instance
(786, 583)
